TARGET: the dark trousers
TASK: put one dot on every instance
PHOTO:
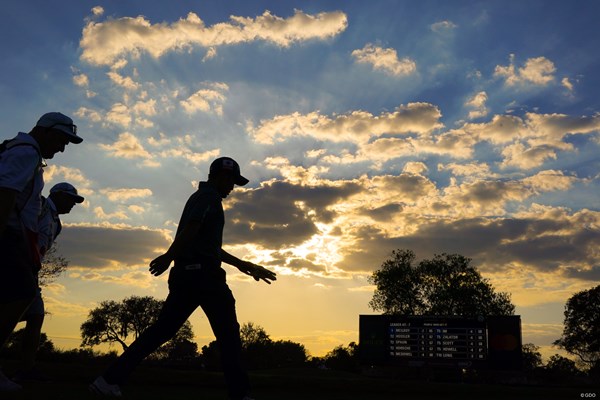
(18, 278)
(189, 289)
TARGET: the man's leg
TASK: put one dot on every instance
(34, 318)
(18, 285)
(10, 315)
(174, 313)
(219, 307)
(31, 340)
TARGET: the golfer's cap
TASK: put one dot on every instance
(229, 164)
(60, 122)
(67, 188)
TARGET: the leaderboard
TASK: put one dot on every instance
(449, 339)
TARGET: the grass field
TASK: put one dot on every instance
(69, 382)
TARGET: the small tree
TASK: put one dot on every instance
(252, 334)
(14, 344)
(532, 358)
(343, 358)
(444, 285)
(211, 356)
(562, 366)
(114, 322)
(581, 332)
(180, 347)
(53, 265)
(259, 351)
(104, 325)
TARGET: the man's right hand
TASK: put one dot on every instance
(160, 264)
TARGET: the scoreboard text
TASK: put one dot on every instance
(441, 341)
(438, 339)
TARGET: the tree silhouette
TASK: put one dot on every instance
(562, 366)
(445, 285)
(259, 351)
(252, 334)
(532, 358)
(53, 265)
(13, 344)
(114, 322)
(180, 347)
(343, 358)
(581, 332)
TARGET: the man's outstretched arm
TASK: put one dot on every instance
(161, 263)
(256, 271)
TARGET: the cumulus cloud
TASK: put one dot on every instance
(536, 71)
(209, 100)
(469, 171)
(139, 279)
(477, 102)
(552, 128)
(299, 208)
(557, 242)
(293, 173)
(189, 155)
(420, 118)
(97, 11)
(385, 60)
(210, 53)
(523, 157)
(119, 215)
(119, 115)
(501, 129)
(530, 141)
(87, 113)
(489, 197)
(126, 146)
(59, 173)
(414, 167)
(110, 246)
(104, 43)
(123, 194)
(136, 209)
(354, 224)
(147, 107)
(567, 84)
(524, 142)
(125, 82)
(81, 80)
(162, 140)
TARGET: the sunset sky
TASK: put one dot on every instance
(468, 127)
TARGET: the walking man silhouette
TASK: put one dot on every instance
(63, 197)
(196, 279)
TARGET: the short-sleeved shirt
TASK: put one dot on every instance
(21, 170)
(203, 206)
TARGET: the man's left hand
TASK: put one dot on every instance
(258, 272)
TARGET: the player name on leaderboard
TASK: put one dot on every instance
(438, 339)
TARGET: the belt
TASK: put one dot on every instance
(192, 267)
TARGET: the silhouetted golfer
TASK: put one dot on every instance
(197, 279)
(21, 184)
(63, 197)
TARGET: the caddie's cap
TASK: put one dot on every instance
(68, 189)
(60, 122)
(230, 165)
